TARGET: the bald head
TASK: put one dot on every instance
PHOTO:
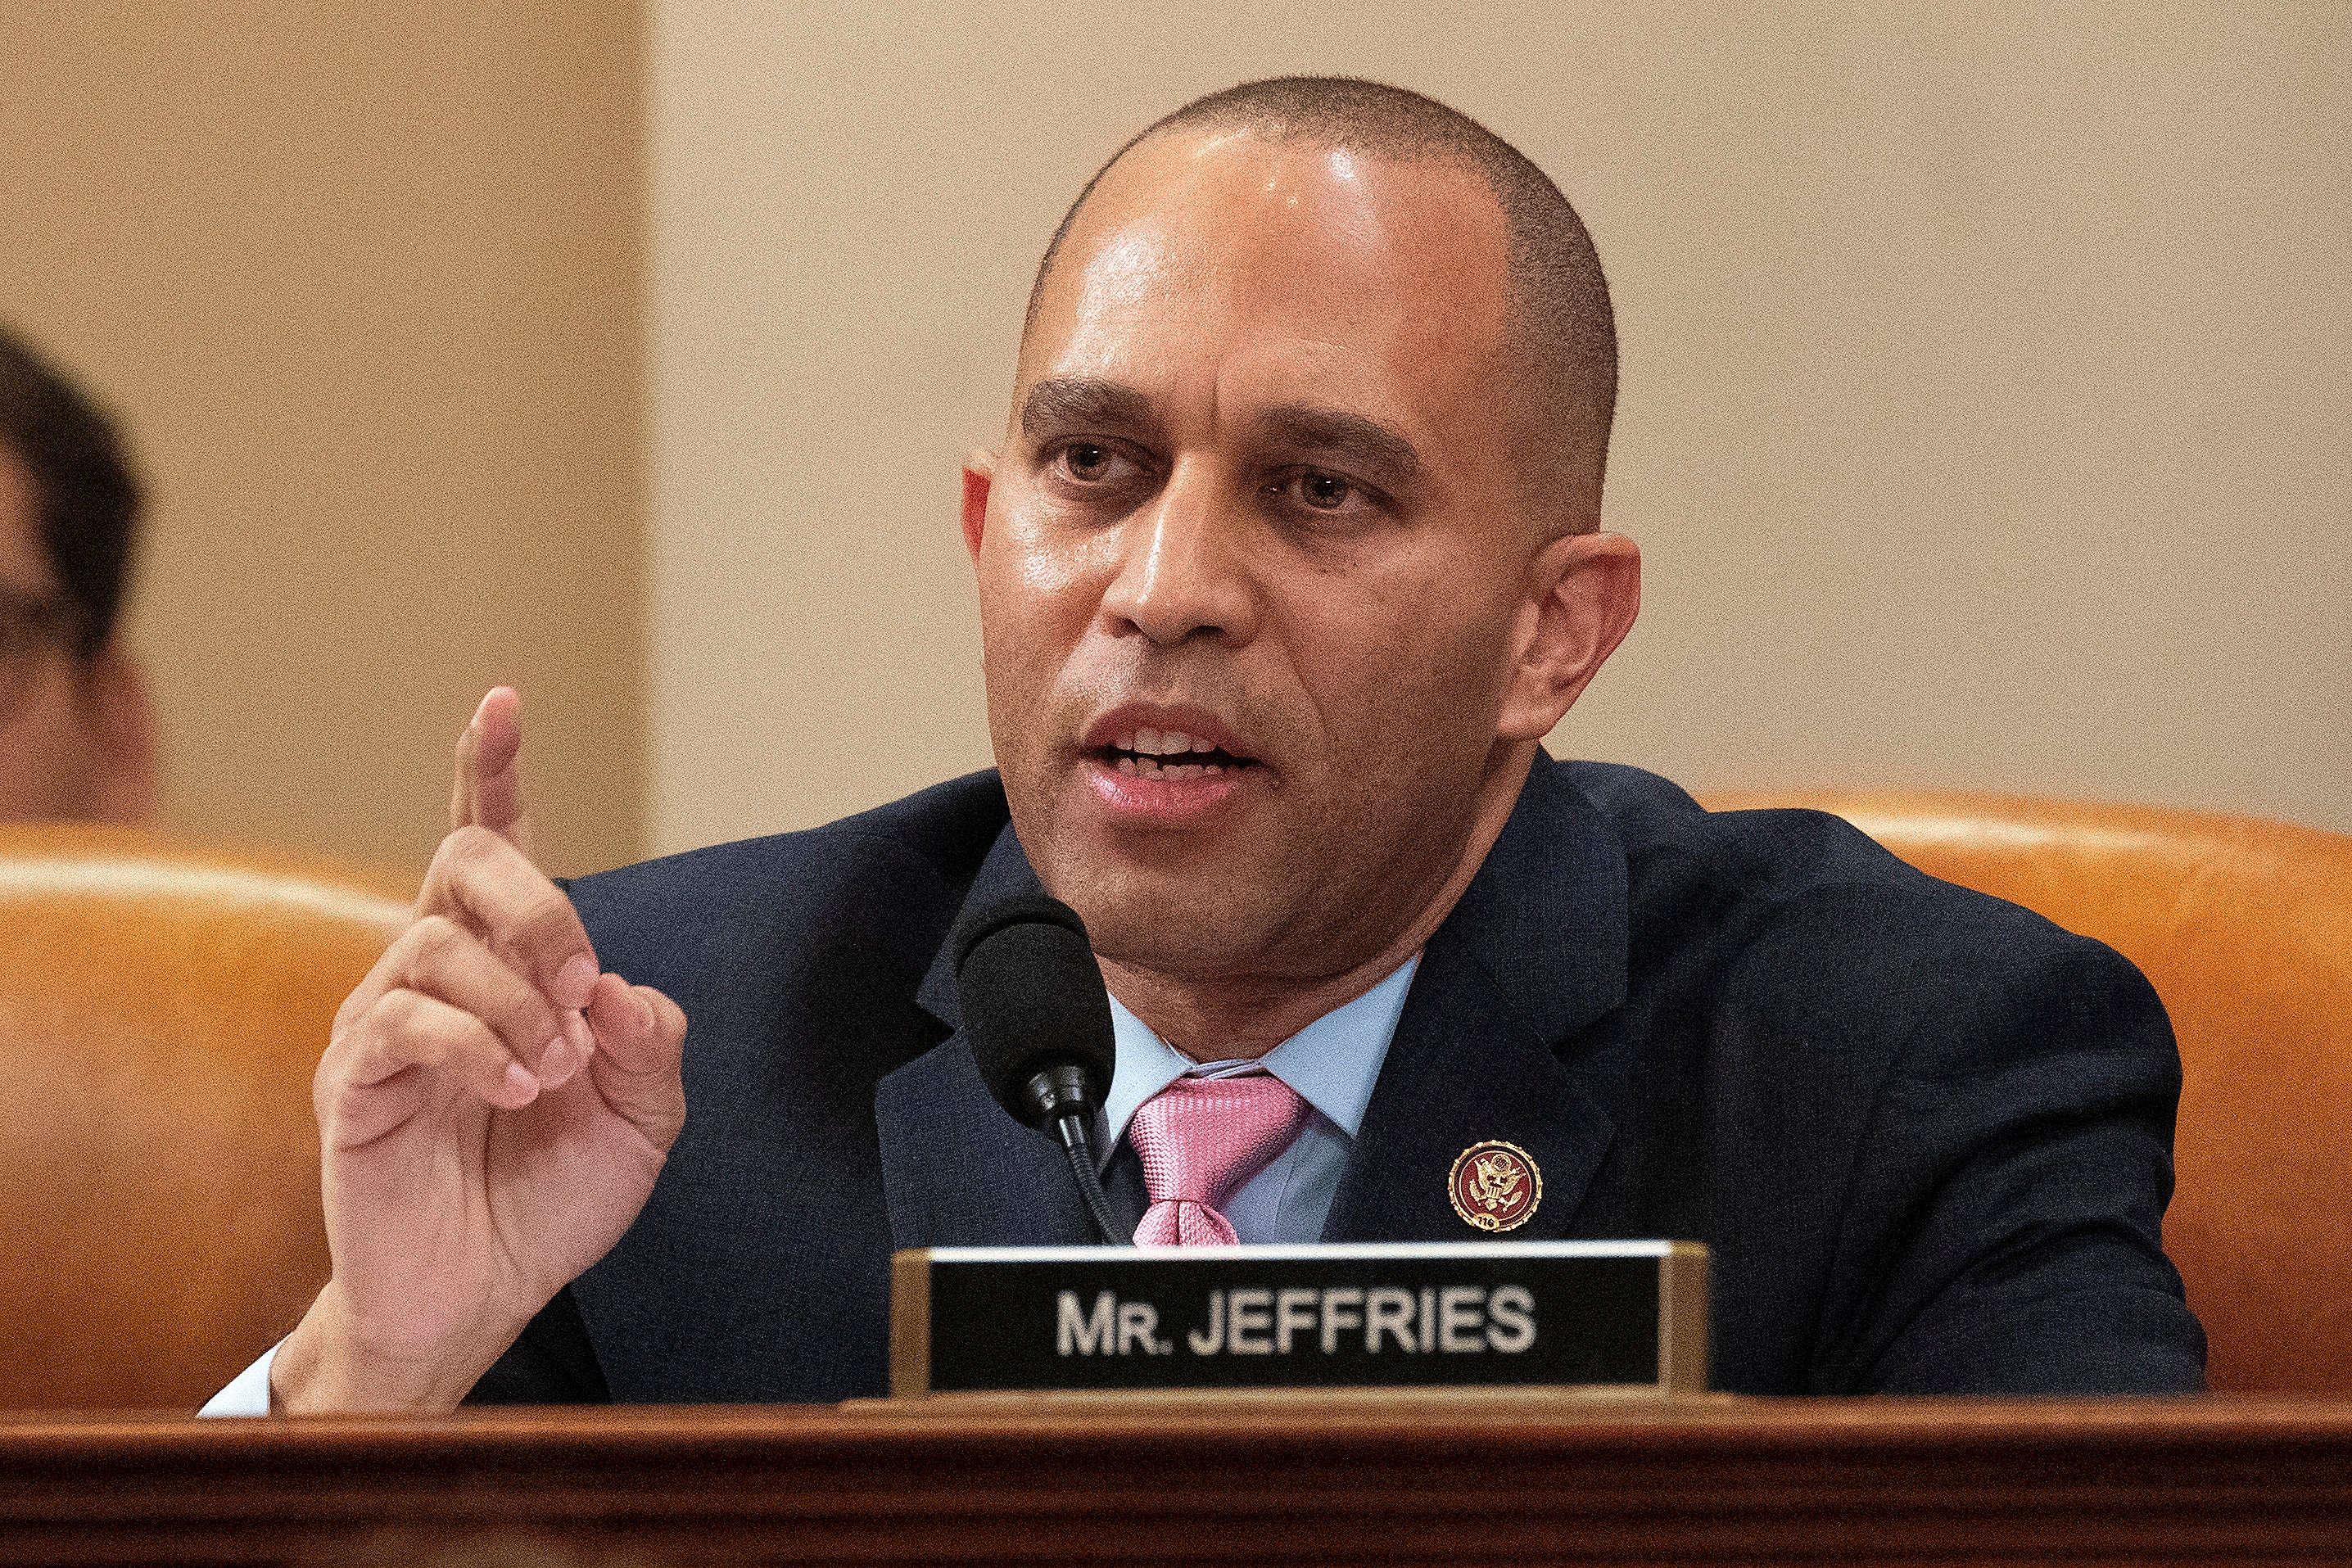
(1561, 347)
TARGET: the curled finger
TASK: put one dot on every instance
(407, 1029)
(441, 959)
(484, 882)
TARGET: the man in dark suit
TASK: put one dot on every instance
(1291, 558)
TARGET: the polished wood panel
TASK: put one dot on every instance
(1359, 1478)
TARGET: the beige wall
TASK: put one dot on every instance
(363, 282)
(1984, 415)
(1985, 412)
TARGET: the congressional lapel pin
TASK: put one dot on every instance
(1495, 1185)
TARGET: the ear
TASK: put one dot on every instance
(119, 719)
(979, 473)
(1584, 593)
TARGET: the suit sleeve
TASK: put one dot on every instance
(552, 1361)
(2003, 1230)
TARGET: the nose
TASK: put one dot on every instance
(1180, 572)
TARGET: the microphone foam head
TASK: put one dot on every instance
(1033, 999)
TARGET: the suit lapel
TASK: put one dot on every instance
(1535, 950)
(957, 1170)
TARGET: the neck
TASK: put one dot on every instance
(1246, 1017)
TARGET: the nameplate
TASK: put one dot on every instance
(1618, 1315)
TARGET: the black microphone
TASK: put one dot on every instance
(1038, 1018)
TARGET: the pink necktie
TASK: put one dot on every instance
(1200, 1139)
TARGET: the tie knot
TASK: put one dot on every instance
(1201, 1138)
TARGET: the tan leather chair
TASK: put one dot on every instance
(161, 1011)
(2244, 927)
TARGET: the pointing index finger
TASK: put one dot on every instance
(487, 791)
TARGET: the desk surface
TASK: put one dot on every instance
(1347, 1478)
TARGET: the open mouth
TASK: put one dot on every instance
(1168, 753)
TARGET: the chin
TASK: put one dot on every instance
(1172, 925)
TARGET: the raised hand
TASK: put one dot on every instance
(492, 1113)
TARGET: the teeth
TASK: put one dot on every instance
(1187, 770)
(1127, 766)
(1143, 742)
(1147, 768)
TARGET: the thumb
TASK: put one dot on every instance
(487, 791)
(640, 1037)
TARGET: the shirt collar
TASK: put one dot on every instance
(1331, 1063)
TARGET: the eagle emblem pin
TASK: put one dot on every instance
(1495, 1185)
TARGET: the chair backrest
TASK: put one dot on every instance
(162, 1008)
(2244, 927)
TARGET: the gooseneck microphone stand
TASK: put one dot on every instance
(1060, 1094)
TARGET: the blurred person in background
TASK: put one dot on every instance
(77, 728)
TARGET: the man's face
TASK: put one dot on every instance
(45, 764)
(1257, 506)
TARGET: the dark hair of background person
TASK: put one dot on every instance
(1564, 328)
(85, 495)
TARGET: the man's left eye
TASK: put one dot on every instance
(1321, 492)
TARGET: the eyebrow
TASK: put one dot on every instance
(1316, 431)
(1070, 400)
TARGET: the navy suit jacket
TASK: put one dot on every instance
(1926, 1134)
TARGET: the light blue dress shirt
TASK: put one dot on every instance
(1331, 1063)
